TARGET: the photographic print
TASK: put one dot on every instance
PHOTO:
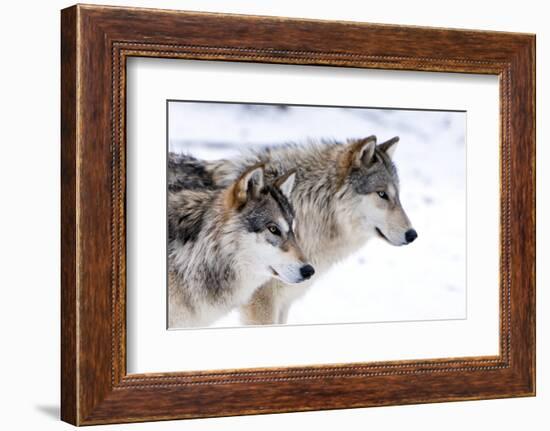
(296, 214)
(325, 223)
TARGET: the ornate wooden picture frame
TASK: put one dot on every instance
(96, 41)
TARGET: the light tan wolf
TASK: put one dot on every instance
(345, 194)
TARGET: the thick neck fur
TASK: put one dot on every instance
(208, 272)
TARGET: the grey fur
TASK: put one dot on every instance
(336, 204)
(186, 172)
(212, 262)
(374, 175)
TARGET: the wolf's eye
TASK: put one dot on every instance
(383, 195)
(274, 230)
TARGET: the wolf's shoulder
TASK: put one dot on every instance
(315, 156)
(292, 152)
(186, 172)
(187, 211)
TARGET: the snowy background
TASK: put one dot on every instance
(422, 281)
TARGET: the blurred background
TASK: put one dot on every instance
(380, 283)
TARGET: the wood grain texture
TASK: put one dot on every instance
(69, 331)
(96, 41)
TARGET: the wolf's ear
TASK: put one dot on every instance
(361, 151)
(248, 185)
(285, 182)
(389, 146)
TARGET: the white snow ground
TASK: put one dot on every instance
(423, 281)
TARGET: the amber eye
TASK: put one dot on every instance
(383, 195)
(274, 230)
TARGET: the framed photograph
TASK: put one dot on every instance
(317, 215)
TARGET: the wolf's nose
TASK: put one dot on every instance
(307, 271)
(410, 236)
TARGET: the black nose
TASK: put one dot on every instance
(410, 235)
(307, 271)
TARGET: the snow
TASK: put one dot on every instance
(380, 283)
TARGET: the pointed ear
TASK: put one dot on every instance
(389, 146)
(361, 151)
(248, 185)
(285, 183)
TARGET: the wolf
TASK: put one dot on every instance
(224, 242)
(346, 193)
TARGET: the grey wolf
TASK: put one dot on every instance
(224, 242)
(345, 194)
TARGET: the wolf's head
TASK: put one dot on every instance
(265, 219)
(370, 179)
